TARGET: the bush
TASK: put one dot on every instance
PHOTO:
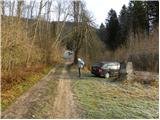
(143, 51)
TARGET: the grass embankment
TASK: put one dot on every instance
(100, 98)
(9, 95)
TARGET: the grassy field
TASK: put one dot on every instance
(100, 98)
(10, 95)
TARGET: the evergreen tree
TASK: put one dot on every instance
(112, 30)
(137, 16)
(140, 17)
(123, 19)
(152, 8)
(102, 32)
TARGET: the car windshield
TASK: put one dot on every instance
(111, 65)
(98, 64)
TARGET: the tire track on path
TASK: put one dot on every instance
(25, 105)
(64, 106)
(51, 97)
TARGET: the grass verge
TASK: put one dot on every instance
(9, 96)
(99, 98)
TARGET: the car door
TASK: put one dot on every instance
(106, 67)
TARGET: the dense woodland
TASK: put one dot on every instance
(133, 35)
(140, 17)
(37, 33)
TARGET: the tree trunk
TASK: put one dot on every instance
(19, 8)
(3, 7)
(76, 57)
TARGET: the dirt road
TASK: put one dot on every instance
(51, 97)
(64, 106)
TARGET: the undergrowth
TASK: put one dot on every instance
(9, 95)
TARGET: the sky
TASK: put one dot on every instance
(100, 8)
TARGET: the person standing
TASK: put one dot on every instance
(80, 65)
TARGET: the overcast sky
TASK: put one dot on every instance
(100, 8)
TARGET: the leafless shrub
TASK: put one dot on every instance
(142, 50)
(16, 45)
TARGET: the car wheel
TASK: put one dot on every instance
(107, 75)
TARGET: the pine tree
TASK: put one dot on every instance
(123, 19)
(102, 32)
(112, 30)
(152, 8)
(137, 17)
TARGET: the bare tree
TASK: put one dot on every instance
(19, 8)
(32, 4)
(34, 36)
(3, 7)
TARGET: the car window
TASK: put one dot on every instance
(98, 64)
(105, 66)
(110, 66)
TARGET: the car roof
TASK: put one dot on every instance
(104, 62)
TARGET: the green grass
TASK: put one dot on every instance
(100, 98)
(9, 96)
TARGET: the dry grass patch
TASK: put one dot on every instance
(11, 92)
(99, 98)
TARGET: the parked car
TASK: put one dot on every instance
(106, 69)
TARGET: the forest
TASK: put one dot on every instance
(133, 35)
